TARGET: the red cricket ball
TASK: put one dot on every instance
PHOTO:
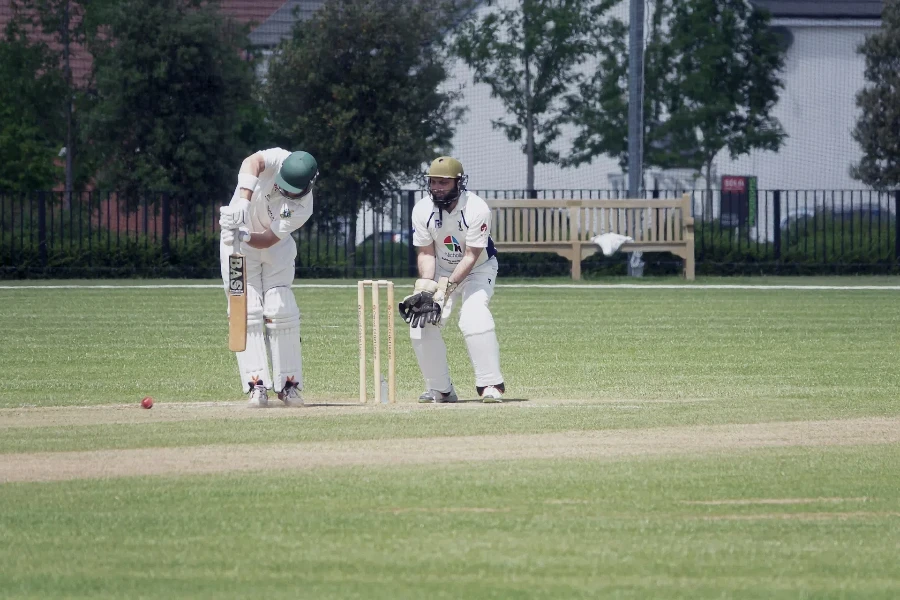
(147, 402)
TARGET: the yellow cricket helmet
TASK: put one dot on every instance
(446, 167)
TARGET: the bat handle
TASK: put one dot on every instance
(237, 241)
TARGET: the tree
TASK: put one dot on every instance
(712, 78)
(529, 56)
(358, 86)
(600, 107)
(878, 128)
(30, 115)
(727, 66)
(63, 22)
(172, 92)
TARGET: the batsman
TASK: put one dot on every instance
(273, 197)
(457, 265)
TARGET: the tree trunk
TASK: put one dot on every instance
(529, 117)
(529, 146)
(70, 127)
(350, 246)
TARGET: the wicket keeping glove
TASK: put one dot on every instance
(412, 309)
(439, 300)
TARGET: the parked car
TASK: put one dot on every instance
(863, 211)
(797, 213)
(388, 237)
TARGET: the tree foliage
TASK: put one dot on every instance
(600, 106)
(712, 78)
(727, 65)
(878, 128)
(359, 87)
(31, 118)
(65, 22)
(173, 91)
(529, 54)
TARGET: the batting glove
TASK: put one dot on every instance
(228, 236)
(233, 217)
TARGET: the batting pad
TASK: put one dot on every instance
(253, 362)
(484, 352)
(474, 315)
(431, 353)
(282, 317)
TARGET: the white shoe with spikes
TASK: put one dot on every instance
(492, 394)
(259, 397)
(291, 395)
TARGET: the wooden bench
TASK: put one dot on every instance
(567, 226)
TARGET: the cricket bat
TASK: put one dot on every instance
(237, 298)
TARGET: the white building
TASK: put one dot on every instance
(823, 72)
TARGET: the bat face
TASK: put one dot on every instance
(237, 277)
(237, 303)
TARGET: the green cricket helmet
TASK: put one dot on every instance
(446, 167)
(297, 175)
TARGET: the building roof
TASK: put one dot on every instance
(279, 23)
(250, 11)
(823, 9)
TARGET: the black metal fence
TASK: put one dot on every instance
(94, 234)
(799, 232)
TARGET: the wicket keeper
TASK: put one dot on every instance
(457, 265)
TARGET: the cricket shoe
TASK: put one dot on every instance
(491, 394)
(291, 395)
(259, 397)
(439, 397)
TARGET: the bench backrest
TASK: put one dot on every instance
(569, 220)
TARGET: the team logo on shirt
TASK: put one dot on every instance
(285, 213)
(483, 227)
(452, 244)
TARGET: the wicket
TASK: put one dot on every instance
(376, 339)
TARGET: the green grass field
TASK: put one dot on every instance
(680, 442)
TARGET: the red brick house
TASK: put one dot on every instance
(271, 20)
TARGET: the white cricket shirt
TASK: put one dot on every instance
(269, 208)
(451, 232)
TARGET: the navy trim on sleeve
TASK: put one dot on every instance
(491, 249)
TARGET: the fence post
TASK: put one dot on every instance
(897, 226)
(146, 227)
(166, 230)
(776, 217)
(411, 251)
(42, 228)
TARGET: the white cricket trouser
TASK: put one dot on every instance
(270, 273)
(470, 299)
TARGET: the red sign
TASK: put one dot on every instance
(730, 183)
